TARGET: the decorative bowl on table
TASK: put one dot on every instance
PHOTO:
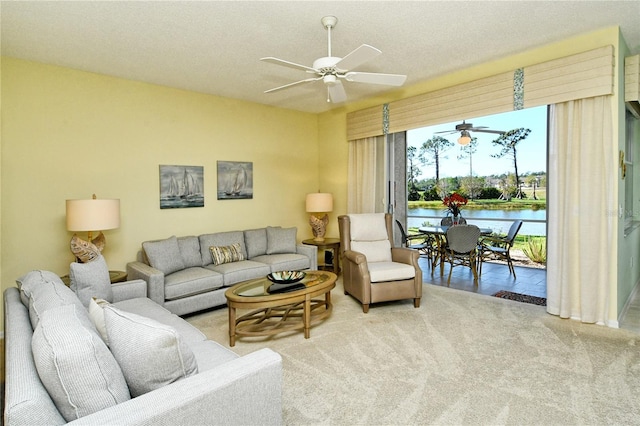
(286, 277)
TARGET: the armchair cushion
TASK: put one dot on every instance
(164, 255)
(151, 354)
(281, 240)
(368, 227)
(91, 280)
(390, 271)
(374, 251)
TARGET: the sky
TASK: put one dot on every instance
(531, 152)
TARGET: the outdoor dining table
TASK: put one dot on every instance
(440, 231)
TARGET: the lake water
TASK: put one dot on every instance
(498, 220)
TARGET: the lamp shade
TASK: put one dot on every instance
(93, 215)
(465, 138)
(319, 202)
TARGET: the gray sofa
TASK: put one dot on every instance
(191, 273)
(61, 371)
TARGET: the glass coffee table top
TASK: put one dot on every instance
(260, 286)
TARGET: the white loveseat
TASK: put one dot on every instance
(191, 273)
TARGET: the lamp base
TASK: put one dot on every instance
(85, 251)
(318, 226)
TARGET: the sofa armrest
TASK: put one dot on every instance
(129, 290)
(311, 252)
(153, 277)
(243, 391)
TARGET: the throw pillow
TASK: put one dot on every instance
(91, 280)
(44, 290)
(256, 241)
(164, 255)
(281, 240)
(150, 354)
(96, 314)
(226, 254)
(74, 364)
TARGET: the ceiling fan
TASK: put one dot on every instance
(464, 128)
(332, 69)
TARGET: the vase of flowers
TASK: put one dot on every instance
(453, 203)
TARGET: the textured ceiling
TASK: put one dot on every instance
(214, 47)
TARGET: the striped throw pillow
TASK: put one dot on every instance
(226, 254)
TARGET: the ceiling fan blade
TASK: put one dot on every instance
(376, 78)
(336, 92)
(295, 83)
(447, 132)
(499, 132)
(357, 57)
(288, 64)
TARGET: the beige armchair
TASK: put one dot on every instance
(373, 270)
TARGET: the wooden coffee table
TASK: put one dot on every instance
(274, 313)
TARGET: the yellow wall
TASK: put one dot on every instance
(69, 134)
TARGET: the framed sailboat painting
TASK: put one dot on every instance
(235, 180)
(181, 187)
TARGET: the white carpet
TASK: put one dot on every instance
(461, 358)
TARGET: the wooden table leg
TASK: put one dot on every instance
(306, 316)
(232, 325)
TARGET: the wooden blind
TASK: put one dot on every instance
(487, 96)
(579, 76)
(365, 123)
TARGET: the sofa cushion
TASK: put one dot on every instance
(220, 239)
(226, 254)
(164, 255)
(91, 280)
(190, 251)
(150, 309)
(43, 290)
(74, 364)
(241, 271)
(281, 240)
(256, 242)
(151, 355)
(191, 281)
(284, 262)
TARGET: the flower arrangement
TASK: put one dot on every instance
(453, 203)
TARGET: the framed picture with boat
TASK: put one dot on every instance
(235, 180)
(181, 187)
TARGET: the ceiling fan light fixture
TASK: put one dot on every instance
(329, 79)
(465, 138)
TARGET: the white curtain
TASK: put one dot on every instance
(361, 176)
(581, 252)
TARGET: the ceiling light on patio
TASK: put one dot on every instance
(465, 138)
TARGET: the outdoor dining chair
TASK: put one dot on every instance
(497, 248)
(461, 248)
(425, 244)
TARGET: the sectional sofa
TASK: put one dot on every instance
(191, 273)
(71, 358)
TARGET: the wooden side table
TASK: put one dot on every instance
(332, 244)
(114, 276)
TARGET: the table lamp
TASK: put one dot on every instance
(319, 202)
(91, 215)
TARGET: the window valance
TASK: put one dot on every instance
(578, 76)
